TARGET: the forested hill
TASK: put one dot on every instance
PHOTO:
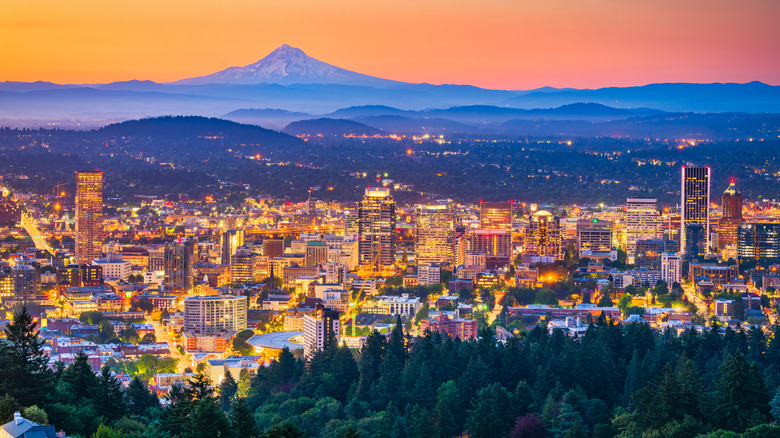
(614, 381)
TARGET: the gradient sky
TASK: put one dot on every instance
(508, 44)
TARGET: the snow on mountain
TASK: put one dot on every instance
(288, 65)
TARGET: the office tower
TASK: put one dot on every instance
(642, 222)
(649, 251)
(180, 259)
(595, 236)
(695, 241)
(543, 238)
(25, 282)
(215, 314)
(731, 203)
(89, 215)
(316, 253)
(671, 268)
(495, 216)
(434, 240)
(10, 213)
(494, 245)
(7, 286)
(757, 241)
(273, 248)
(231, 240)
(695, 203)
(376, 227)
(242, 266)
(428, 274)
(321, 329)
(351, 222)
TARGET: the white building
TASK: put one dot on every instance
(114, 268)
(215, 314)
(428, 273)
(320, 330)
(403, 305)
(671, 268)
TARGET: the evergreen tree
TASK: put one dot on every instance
(740, 398)
(419, 422)
(447, 412)
(22, 359)
(242, 419)
(576, 431)
(208, 420)
(491, 412)
(244, 383)
(139, 399)
(80, 378)
(108, 396)
(227, 389)
(284, 429)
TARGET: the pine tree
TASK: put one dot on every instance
(244, 383)
(200, 387)
(576, 431)
(447, 412)
(139, 399)
(243, 420)
(491, 413)
(22, 359)
(418, 422)
(740, 398)
(284, 429)
(208, 420)
(80, 378)
(108, 397)
(227, 389)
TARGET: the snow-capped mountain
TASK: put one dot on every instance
(287, 65)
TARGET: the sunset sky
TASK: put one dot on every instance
(508, 44)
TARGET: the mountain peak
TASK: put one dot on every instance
(287, 65)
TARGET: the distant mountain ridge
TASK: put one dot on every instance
(287, 65)
(290, 80)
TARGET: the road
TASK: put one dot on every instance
(30, 225)
(694, 298)
(161, 334)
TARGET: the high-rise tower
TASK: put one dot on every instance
(434, 234)
(695, 202)
(376, 226)
(642, 223)
(89, 215)
(731, 218)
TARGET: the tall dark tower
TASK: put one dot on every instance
(732, 216)
(695, 203)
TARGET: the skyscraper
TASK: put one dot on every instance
(215, 314)
(757, 241)
(695, 202)
(495, 216)
(544, 236)
(180, 266)
(731, 203)
(89, 215)
(376, 227)
(434, 234)
(642, 223)
(231, 241)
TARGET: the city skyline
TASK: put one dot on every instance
(509, 45)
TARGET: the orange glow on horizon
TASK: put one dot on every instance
(504, 44)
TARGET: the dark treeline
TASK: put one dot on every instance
(614, 381)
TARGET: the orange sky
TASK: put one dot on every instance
(510, 44)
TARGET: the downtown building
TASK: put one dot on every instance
(695, 209)
(376, 228)
(731, 204)
(758, 241)
(495, 216)
(594, 238)
(434, 240)
(671, 268)
(211, 322)
(179, 266)
(321, 329)
(642, 223)
(543, 237)
(89, 215)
